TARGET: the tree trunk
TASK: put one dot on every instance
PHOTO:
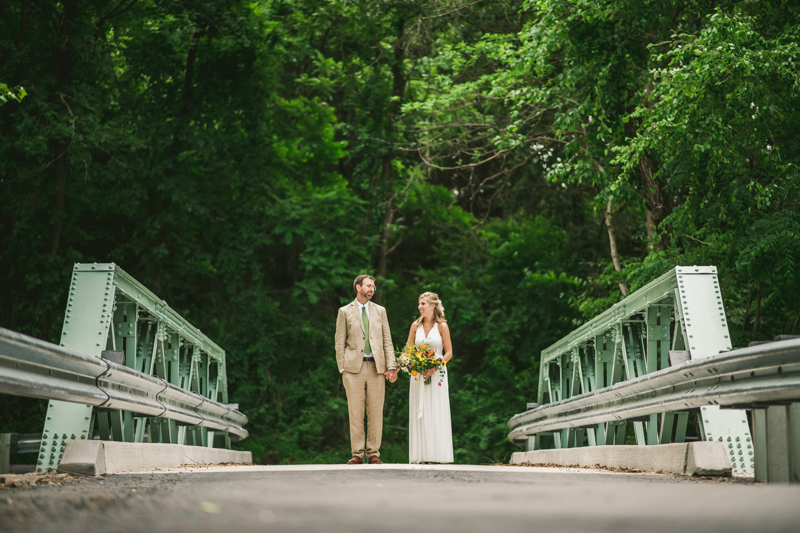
(55, 230)
(757, 320)
(63, 61)
(163, 239)
(386, 234)
(612, 239)
(189, 74)
(747, 311)
(655, 201)
(398, 90)
(58, 205)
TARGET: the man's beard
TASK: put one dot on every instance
(368, 296)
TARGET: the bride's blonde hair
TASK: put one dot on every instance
(438, 309)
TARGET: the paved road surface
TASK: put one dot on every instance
(400, 498)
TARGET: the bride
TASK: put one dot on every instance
(430, 437)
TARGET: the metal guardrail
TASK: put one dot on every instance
(746, 378)
(654, 358)
(764, 378)
(130, 367)
(674, 318)
(34, 368)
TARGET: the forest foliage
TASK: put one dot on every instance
(531, 161)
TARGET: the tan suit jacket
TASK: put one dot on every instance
(350, 338)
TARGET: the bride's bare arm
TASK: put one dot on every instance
(448, 346)
(412, 334)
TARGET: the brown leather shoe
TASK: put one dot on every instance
(355, 460)
(375, 460)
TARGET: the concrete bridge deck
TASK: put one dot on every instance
(400, 498)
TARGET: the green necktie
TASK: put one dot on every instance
(365, 320)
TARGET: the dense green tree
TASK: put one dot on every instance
(530, 161)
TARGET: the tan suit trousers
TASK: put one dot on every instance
(365, 390)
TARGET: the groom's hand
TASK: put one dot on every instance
(391, 375)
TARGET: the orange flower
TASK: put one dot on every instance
(413, 372)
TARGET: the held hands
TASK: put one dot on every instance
(391, 375)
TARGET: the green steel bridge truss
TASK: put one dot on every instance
(677, 317)
(108, 310)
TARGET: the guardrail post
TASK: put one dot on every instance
(5, 452)
(680, 430)
(777, 443)
(222, 440)
(779, 457)
(794, 441)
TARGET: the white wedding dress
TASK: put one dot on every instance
(430, 436)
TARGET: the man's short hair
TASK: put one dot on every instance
(360, 280)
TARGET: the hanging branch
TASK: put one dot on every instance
(117, 11)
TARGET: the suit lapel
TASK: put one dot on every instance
(373, 315)
(357, 315)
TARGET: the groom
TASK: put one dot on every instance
(365, 355)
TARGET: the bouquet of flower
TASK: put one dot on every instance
(415, 360)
